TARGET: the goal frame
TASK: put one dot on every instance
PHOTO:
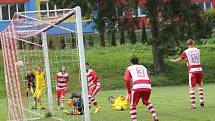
(81, 54)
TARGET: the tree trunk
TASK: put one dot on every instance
(102, 39)
(133, 37)
(158, 61)
(73, 41)
(122, 37)
(144, 37)
(91, 44)
(113, 39)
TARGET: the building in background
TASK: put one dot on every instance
(9, 7)
(140, 11)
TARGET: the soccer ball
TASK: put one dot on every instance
(70, 103)
(20, 64)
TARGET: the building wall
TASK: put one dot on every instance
(34, 5)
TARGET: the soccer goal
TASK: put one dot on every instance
(28, 47)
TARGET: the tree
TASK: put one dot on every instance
(181, 20)
(122, 29)
(110, 13)
(99, 20)
(144, 37)
(152, 8)
(132, 21)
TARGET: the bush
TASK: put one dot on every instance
(208, 41)
(209, 16)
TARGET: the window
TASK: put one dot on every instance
(119, 12)
(201, 5)
(208, 5)
(5, 13)
(47, 6)
(7, 10)
(204, 5)
(12, 10)
(21, 7)
(43, 6)
(135, 12)
(141, 11)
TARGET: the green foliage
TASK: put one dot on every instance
(181, 21)
(209, 16)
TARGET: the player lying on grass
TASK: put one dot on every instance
(94, 87)
(40, 87)
(30, 83)
(120, 104)
(141, 88)
(192, 58)
(62, 79)
(76, 102)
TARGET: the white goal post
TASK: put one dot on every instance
(23, 26)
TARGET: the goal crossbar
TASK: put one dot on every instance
(50, 24)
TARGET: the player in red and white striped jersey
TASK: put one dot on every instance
(94, 87)
(141, 88)
(62, 79)
(192, 58)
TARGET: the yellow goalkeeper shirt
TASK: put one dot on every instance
(120, 104)
(40, 79)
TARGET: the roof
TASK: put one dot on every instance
(11, 1)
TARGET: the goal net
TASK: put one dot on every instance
(28, 49)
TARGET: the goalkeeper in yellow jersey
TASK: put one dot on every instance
(120, 104)
(40, 86)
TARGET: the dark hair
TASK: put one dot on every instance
(110, 98)
(87, 64)
(134, 60)
(190, 42)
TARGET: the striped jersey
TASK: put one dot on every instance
(62, 80)
(192, 57)
(139, 76)
(93, 77)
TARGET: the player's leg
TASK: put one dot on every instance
(40, 95)
(200, 88)
(150, 107)
(62, 98)
(35, 97)
(134, 99)
(58, 93)
(192, 84)
(32, 88)
(27, 92)
(28, 89)
(95, 103)
(91, 94)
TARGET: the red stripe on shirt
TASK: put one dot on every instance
(141, 82)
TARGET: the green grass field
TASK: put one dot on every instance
(171, 104)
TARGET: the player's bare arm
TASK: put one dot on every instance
(176, 60)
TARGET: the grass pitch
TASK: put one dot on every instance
(171, 105)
